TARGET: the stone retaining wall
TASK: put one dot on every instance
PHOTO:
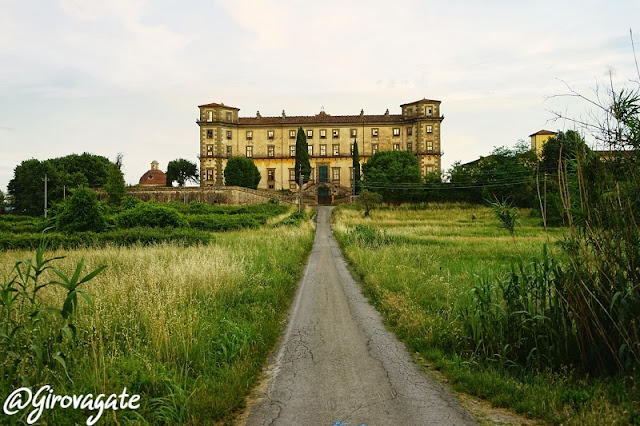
(212, 195)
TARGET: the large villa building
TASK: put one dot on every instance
(271, 142)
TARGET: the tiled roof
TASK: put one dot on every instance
(323, 118)
(213, 104)
(421, 100)
(153, 177)
(543, 132)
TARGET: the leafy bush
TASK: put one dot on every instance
(294, 219)
(217, 222)
(129, 202)
(241, 171)
(82, 212)
(150, 214)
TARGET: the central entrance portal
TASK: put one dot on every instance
(324, 197)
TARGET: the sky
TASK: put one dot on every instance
(117, 76)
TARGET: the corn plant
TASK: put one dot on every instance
(506, 214)
(34, 333)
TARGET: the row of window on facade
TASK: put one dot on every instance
(271, 149)
(322, 178)
(323, 133)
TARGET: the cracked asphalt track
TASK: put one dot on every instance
(338, 363)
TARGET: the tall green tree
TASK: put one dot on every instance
(567, 145)
(302, 157)
(356, 168)
(115, 186)
(393, 174)
(63, 174)
(241, 171)
(182, 171)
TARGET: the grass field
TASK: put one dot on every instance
(419, 265)
(186, 327)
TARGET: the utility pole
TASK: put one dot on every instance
(300, 190)
(46, 179)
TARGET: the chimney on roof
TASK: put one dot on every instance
(283, 114)
(386, 112)
(258, 114)
(361, 112)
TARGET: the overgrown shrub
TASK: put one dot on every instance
(82, 212)
(150, 214)
(294, 219)
(218, 222)
(366, 236)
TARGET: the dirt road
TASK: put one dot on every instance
(338, 365)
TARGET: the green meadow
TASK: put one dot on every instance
(420, 266)
(186, 325)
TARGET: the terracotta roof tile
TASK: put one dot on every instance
(543, 132)
(153, 177)
(323, 118)
(213, 104)
(421, 100)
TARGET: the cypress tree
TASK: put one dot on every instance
(302, 157)
(356, 167)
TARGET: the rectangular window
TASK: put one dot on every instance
(229, 150)
(396, 147)
(409, 146)
(336, 150)
(209, 134)
(271, 150)
(229, 134)
(228, 116)
(209, 174)
(292, 150)
(323, 150)
(323, 134)
(249, 151)
(428, 111)
(430, 169)
(292, 185)
(429, 129)
(409, 131)
(292, 174)
(292, 134)
(335, 173)
(271, 174)
(269, 134)
(310, 150)
(309, 134)
(336, 133)
(351, 149)
(396, 131)
(374, 148)
(374, 133)
(354, 133)
(249, 135)
(429, 145)
(209, 149)
(209, 116)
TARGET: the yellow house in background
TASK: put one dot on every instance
(539, 138)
